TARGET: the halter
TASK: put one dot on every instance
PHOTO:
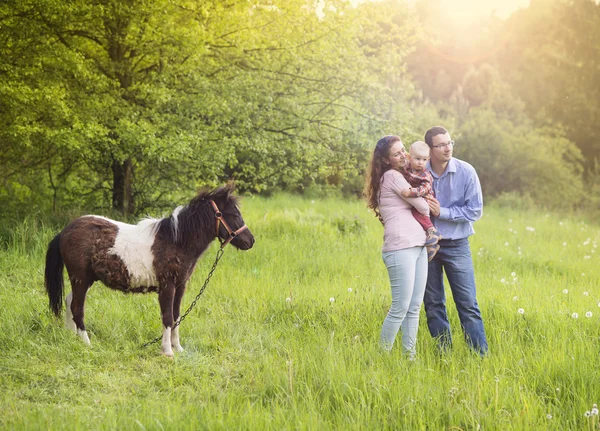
(220, 219)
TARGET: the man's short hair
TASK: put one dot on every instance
(434, 131)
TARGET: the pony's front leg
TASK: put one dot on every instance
(176, 314)
(165, 298)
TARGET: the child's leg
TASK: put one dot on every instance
(423, 220)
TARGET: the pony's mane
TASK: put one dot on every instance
(192, 223)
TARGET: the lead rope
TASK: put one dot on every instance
(193, 304)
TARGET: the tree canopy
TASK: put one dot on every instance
(130, 105)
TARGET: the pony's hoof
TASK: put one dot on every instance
(178, 349)
(169, 355)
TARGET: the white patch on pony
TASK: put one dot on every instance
(175, 340)
(84, 336)
(175, 216)
(133, 245)
(166, 342)
(69, 322)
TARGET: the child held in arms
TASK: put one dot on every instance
(421, 183)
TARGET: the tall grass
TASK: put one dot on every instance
(286, 335)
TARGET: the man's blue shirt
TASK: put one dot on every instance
(461, 202)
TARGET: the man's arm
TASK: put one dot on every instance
(473, 203)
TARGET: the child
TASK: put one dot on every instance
(421, 183)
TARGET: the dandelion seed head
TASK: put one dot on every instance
(288, 299)
(530, 229)
(594, 412)
(332, 299)
(515, 298)
(513, 274)
(588, 314)
(506, 244)
(574, 315)
(548, 416)
(500, 258)
(585, 294)
(560, 223)
(350, 290)
(564, 244)
(565, 291)
(587, 257)
(502, 280)
(587, 414)
(521, 311)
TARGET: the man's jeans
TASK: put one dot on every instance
(454, 257)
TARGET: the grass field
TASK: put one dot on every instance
(286, 335)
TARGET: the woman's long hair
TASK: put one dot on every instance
(376, 169)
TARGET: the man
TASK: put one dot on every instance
(459, 203)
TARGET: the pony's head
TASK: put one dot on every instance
(234, 229)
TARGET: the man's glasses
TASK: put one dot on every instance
(447, 144)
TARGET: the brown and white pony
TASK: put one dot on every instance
(155, 255)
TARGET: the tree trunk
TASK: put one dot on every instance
(122, 187)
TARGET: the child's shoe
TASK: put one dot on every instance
(433, 237)
(432, 251)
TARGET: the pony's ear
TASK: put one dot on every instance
(229, 188)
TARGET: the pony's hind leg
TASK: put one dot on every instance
(75, 308)
(69, 322)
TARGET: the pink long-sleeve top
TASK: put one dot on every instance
(401, 230)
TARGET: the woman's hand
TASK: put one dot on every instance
(434, 206)
(405, 193)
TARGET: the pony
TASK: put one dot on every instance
(155, 255)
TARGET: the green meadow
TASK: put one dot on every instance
(286, 334)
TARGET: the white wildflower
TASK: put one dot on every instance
(574, 315)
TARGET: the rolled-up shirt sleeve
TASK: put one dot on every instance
(472, 208)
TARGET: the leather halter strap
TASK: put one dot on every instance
(220, 219)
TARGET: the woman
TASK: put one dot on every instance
(403, 249)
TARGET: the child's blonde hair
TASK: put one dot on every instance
(419, 146)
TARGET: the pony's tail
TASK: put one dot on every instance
(54, 275)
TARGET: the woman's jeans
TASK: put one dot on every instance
(454, 258)
(407, 269)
